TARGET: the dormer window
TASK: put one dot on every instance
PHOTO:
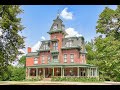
(69, 43)
(55, 26)
(45, 46)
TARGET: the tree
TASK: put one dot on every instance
(91, 51)
(22, 61)
(108, 44)
(10, 40)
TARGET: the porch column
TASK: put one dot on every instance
(87, 72)
(53, 71)
(96, 72)
(44, 72)
(28, 72)
(61, 71)
(90, 72)
(78, 71)
(36, 72)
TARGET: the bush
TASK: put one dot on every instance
(77, 79)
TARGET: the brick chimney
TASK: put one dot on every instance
(29, 49)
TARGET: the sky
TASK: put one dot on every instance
(79, 20)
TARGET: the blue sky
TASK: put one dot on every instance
(79, 19)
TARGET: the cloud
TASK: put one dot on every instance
(71, 32)
(113, 7)
(66, 15)
(43, 38)
(36, 46)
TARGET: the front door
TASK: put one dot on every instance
(48, 73)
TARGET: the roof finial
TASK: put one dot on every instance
(58, 14)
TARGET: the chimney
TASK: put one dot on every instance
(29, 49)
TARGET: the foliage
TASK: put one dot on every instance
(17, 73)
(22, 61)
(107, 45)
(10, 40)
(38, 78)
(76, 79)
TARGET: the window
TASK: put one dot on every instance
(65, 57)
(45, 46)
(35, 61)
(83, 58)
(43, 61)
(55, 57)
(72, 57)
(48, 58)
(55, 46)
(69, 43)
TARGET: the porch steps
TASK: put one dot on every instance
(46, 79)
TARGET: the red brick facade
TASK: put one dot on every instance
(77, 56)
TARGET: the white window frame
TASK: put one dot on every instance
(43, 59)
(69, 43)
(65, 57)
(35, 60)
(56, 56)
(45, 46)
(72, 58)
(55, 45)
(48, 58)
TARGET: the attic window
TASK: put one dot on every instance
(69, 43)
(45, 46)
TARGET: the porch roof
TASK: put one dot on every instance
(62, 65)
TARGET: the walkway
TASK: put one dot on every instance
(54, 83)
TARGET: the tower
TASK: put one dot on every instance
(57, 33)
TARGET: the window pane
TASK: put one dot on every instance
(35, 62)
(71, 56)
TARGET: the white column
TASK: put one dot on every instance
(78, 73)
(87, 72)
(90, 72)
(28, 72)
(53, 71)
(44, 72)
(36, 72)
(63, 71)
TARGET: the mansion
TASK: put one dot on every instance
(60, 56)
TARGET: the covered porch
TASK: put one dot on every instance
(62, 70)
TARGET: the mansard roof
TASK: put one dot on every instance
(76, 41)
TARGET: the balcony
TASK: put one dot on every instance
(54, 61)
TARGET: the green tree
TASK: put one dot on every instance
(91, 51)
(10, 40)
(108, 44)
(22, 61)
